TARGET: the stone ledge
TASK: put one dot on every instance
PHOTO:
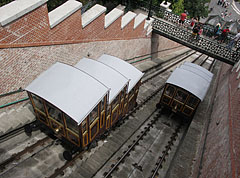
(126, 19)
(92, 14)
(112, 16)
(17, 9)
(62, 12)
(139, 19)
(148, 22)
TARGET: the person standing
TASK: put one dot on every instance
(193, 21)
(200, 31)
(233, 41)
(224, 35)
(183, 16)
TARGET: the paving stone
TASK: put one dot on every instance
(83, 172)
(76, 175)
(99, 157)
(116, 139)
(111, 145)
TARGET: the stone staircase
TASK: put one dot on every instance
(15, 118)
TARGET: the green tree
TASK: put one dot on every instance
(4, 2)
(178, 7)
(196, 8)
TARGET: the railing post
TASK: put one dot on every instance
(149, 12)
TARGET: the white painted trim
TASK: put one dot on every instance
(62, 12)
(17, 9)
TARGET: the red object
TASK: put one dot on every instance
(226, 30)
(183, 16)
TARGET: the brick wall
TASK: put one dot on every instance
(19, 66)
(33, 29)
(222, 151)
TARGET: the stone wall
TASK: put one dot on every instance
(160, 43)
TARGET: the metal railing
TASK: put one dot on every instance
(12, 93)
(203, 45)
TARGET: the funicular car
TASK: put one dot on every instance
(185, 89)
(130, 72)
(117, 84)
(82, 102)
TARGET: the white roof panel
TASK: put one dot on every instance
(199, 68)
(197, 71)
(69, 89)
(190, 81)
(105, 74)
(126, 69)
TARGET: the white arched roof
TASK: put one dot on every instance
(197, 70)
(105, 74)
(202, 69)
(69, 89)
(126, 69)
(191, 81)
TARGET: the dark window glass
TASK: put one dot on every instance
(102, 104)
(93, 115)
(192, 101)
(94, 130)
(114, 102)
(181, 96)
(114, 116)
(131, 93)
(169, 90)
(84, 126)
(166, 100)
(71, 124)
(38, 103)
(42, 117)
(54, 113)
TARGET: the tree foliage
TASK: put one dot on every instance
(178, 7)
(196, 8)
(4, 2)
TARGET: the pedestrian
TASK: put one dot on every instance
(183, 16)
(217, 31)
(233, 41)
(219, 2)
(224, 35)
(193, 21)
(223, 3)
(226, 4)
(195, 31)
(199, 32)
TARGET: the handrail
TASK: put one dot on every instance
(14, 102)
(12, 92)
(161, 12)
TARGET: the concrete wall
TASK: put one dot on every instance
(160, 43)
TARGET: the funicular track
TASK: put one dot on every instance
(51, 142)
(83, 163)
(177, 134)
